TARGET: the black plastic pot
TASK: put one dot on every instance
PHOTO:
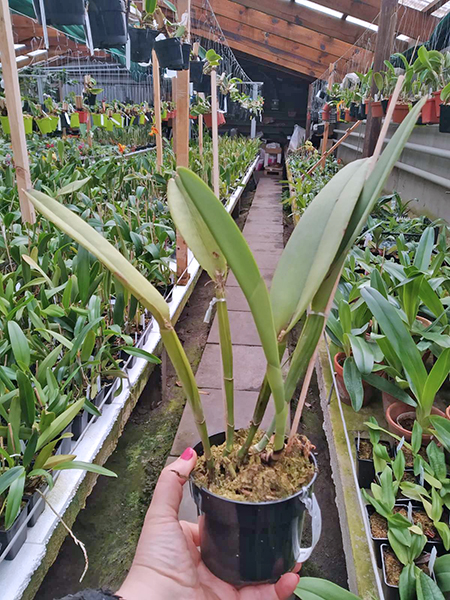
(61, 13)
(204, 86)
(354, 110)
(142, 42)
(64, 446)
(444, 119)
(196, 71)
(186, 51)
(108, 20)
(384, 105)
(377, 542)
(362, 111)
(35, 500)
(390, 592)
(333, 114)
(245, 543)
(79, 424)
(365, 467)
(342, 114)
(170, 54)
(7, 536)
(90, 99)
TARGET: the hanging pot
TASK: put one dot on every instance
(90, 99)
(117, 120)
(429, 112)
(170, 54)
(444, 118)
(61, 13)
(98, 120)
(220, 119)
(83, 117)
(354, 110)
(142, 42)
(377, 109)
(28, 124)
(326, 112)
(54, 122)
(75, 120)
(196, 72)
(186, 52)
(247, 542)
(108, 20)
(362, 111)
(400, 113)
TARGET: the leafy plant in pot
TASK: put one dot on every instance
(174, 51)
(143, 32)
(91, 91)
(343, 205)
(424, 386)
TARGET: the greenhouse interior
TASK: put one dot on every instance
(225, 299)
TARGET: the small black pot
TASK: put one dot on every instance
(354, 110)
(362, 111)
(7, 536)
(61, 13)
(384, 105)
(142, 42)
(186, 51)
(79, 424)
(365, 467)
(196, 71)
(444, 119)
(246, 543)
(204, 86)
(108, 20)
(333, 114)
(342, 114)
(90, 99)
(35, 500)
(64, 446)
(377, 542)
(390, 592)
(170, 54)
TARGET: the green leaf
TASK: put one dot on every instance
(172, 7)
(362, 354)
(389, 387)
(424, 249)
(353, 383)
(72, 187)
(407, 583)
(60, 423)
(435, 379)
(140, 353)
(14, 500)
(398, 335)
(8, 478)
(150, 6)
(442, 572)
(436, 458)
(416, 437)
(83, 273)
(47, 364)
(19, 344)
(84, 466)
(27, 398)
(426, 588)
(310, 588)
(442, 430)
(316, 239)
(88, 345)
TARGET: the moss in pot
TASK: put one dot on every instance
(322, 239)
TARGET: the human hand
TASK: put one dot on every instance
(167, 564)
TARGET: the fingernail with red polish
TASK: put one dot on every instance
(187, 454)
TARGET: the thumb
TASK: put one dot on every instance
(169, 489)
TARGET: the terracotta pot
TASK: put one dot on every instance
(348, 117)
(388, 400)
(326, 113)
(339, 359)
(377, 109)
(220, 119)
(429, 112)
(400, 112)
(399, 409)
(437, 103)
(84, 117)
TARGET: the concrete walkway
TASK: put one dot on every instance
(264, 233)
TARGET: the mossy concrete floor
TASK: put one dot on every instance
(111, 523)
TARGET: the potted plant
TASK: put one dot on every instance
(58, 13)
(108, 21)
(342, 206)
(444, 116)
(143, 32)
(173, 53)
(90, 90)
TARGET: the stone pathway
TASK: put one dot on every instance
(264, 233)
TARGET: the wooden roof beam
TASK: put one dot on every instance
(434, 5)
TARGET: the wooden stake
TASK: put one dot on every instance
(182, 143)
(327, 124)
(333, 148)
(15, 114)
(157, 108)
(215, 133)
(383, 50)
(200, 129)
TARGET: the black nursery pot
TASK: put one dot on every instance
(354, 110)
(384, 105)
(170, 54)
(196, 71)
(35, 500)
(142, 42)
(79, 424)
(362, 111)
(444, 119)
(7, 536)
(90, 99)
(108, 22)
(246, 543)
(61, 13)
(365, 467)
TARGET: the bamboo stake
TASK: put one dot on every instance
(331, 150)
(157, 107)
(15, 114)
(215, 134)
(200, 129)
